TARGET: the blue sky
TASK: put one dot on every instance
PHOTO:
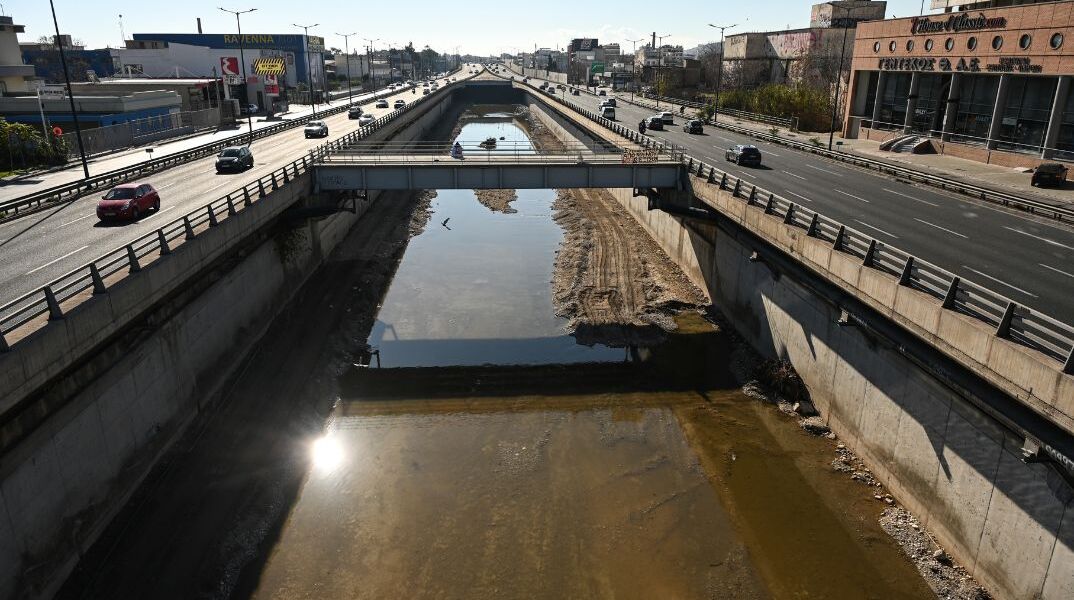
(483, 27)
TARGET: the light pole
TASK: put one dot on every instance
(634, 67)
(347, 53)
(372, 67)
(70, 95)
(719, 73)
(838, 81)
(309, 63)
(242, 59)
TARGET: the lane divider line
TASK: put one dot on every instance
(942, 228)
(1000, 281)
(56, 260)
(877, 229)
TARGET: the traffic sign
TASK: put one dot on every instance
(52, 92)
(598, 67)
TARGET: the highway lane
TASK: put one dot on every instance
(1025, 258)
(34, 183)
(39, 248)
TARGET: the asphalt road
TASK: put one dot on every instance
(41, 247)
(1022, 257)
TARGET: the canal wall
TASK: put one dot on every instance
(1010, 523)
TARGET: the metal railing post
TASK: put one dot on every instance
(868, 259)
(132, 258)
(95, 276)
(814, 226)
(189, 229)
(212, 215)
(1004, 328)
(54, 311)
(952, 291)
(789, 217)
(904, 277)
(838, 243)
(163, 241)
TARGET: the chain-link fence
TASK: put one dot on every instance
(144, 131)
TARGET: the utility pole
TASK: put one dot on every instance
(838, 81)
(634, 67)
(719, 73)
(70, 94)
(309, 62)
(347, 53)
(372, 67)
(242, 59)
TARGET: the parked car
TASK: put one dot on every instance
(234, 158)
(354, 112)
(693, 126)
(399, 104)
(668, 118)
(1048, 174)
(366, 119)
(744, 154)
(316, 129)
(382, 103)
(128, 201)
(654, 122)
(250, 109)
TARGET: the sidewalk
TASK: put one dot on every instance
(1005, 179)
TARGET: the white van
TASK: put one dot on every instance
(608, 112)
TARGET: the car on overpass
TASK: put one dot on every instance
(744, 155)
(234, 158)
(316, 129)
(366, 119)
(382, 103)
(128, 201)
(399, 104)
(693, 126)
(654, 122)
(354, 112)
(668, 118)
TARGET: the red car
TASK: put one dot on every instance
(128, 201)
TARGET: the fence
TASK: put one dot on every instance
(788, 122)
(1010, 320)
(94, 276)
(143, 131)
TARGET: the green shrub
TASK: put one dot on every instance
(810, 105)
(24, 146)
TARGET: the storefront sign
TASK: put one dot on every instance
(270, 65)
(229, 66)
(956, 23)
(970, 65)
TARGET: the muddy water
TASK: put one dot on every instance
(654, 478)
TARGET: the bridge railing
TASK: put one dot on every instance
(63, 293)
(502, 151)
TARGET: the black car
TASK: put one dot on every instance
(744, 154)
(1048, 174)
(354, 112)
(654, 123)
(693, 126)
(574, 92)
(602, 93)
(234, 158)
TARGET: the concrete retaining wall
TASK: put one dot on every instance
(1010, 523)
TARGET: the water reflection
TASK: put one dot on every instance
(479, 292)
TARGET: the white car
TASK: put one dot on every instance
(667, 118)
(382, 104)
(316, 129)
(366, 119)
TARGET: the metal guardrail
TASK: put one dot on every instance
(788, 122)
(31, 203)
(94, 276)
(502, 152)
(1018, 323)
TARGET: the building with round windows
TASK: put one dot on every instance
(982, 82)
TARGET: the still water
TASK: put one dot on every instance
(557, 478)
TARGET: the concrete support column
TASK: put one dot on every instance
(860, 94)
(1055, 119)
(997, 110)
(880, 81)
(911, 102)
(951, 110)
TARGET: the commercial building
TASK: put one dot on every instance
(14, 74)
(810, 54)
(988, 84)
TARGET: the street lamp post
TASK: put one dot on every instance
(309, 63)
(838, 83)
(242, 59)
(347, 53)
(372, 67)
(719, 73)
(634, 67)
(70, 94)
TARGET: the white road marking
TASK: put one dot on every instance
(1056, 270)
(75, 221)
(910, 197)
(941, 228)
(725, 139)
(878, 229)
(773, 153)
(797, 196)
(1043, 239)
(999, 281)
(825, 170)
(745, 175)
(851, 195)
(798, 176)
(56, 260)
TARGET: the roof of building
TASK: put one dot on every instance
(156, 81)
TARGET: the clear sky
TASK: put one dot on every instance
(481, 27)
